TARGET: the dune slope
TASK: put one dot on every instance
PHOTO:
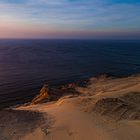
(106, 109)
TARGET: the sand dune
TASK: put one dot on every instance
(106, 109)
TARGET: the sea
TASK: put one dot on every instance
(27, 64)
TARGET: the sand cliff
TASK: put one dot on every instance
(105, 109)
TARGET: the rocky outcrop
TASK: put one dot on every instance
(53, 93)
(48, 93)
(43, 95)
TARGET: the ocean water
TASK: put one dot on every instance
(25, 65)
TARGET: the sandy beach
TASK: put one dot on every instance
(105, 109)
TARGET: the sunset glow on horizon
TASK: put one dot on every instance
(70, 19)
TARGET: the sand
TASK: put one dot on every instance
(107, 109)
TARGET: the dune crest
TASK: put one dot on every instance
(106, 108)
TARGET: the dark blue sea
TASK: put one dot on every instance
(25, 65)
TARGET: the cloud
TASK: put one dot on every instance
(78, 15)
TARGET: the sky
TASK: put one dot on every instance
(93, 19)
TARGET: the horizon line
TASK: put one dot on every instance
(69, 38)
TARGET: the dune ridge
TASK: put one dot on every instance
(103, 108)
(117, 98)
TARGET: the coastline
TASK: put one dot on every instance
(109, 106)
(27, 64)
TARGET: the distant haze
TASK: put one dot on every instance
(97, 19)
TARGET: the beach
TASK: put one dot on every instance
(106, 108)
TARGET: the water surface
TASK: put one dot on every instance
(25, 65)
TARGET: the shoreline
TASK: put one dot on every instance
(58, 86)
